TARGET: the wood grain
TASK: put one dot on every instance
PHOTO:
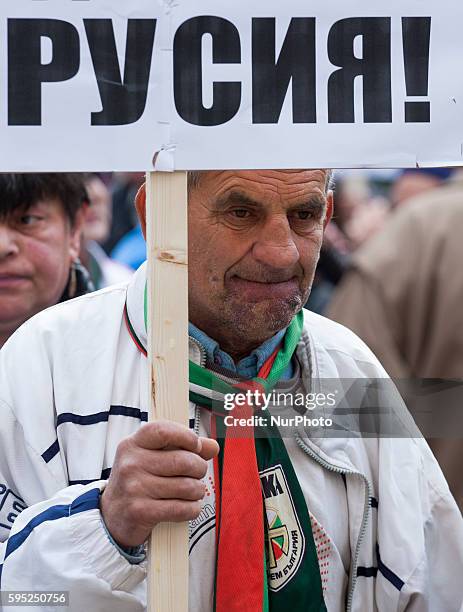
(167, 240)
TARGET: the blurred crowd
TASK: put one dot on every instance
(388, 267)
(389, 271)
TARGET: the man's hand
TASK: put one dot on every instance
(156, 477)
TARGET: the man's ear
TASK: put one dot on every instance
(329, 208)
(76, 234)
(140, 205)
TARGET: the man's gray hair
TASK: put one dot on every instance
(194, 178)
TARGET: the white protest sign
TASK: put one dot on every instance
(104, 84)
(317, 84)
(81, 84)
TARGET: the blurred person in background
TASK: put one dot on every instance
(102, 269)
(124, 189)
(360, 210)
(403, 296)
(41, 217)
(131, 249)
(364, 201)
(413, 181)
(359, 214)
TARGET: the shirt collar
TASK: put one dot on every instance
(247, 367)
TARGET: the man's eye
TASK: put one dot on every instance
(303, 215)
(241, 213)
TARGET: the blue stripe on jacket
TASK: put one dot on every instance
(101, 417)
(372, 572)
(87, 501)
(91, 419)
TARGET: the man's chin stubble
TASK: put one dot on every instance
(265, 319)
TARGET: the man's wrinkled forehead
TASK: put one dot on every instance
(195, 177)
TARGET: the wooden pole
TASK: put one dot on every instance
(167, 239)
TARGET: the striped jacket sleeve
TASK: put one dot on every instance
(51, 535)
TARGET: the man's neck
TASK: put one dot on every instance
(231, 339)
(237, 347)
(239, 350)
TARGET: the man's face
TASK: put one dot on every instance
(254, 242)
(37, 247)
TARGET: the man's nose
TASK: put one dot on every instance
(275, 245)
(8, 244)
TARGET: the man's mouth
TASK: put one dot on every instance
(258, 290)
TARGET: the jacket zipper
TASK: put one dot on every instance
(326, 466)
(202, 363)
(366, 510)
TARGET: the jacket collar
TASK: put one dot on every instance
(135, 301)
(135, 312)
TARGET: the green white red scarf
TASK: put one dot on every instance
(266, 555)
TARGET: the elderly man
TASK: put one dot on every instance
(363, 524)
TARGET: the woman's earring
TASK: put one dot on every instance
(73, 280)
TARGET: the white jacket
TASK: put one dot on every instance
(73, 384)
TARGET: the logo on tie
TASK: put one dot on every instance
(278, 538)
(285, 539)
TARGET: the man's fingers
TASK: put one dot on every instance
(166, 434)
(171, 510)
(167, 463)
(187, 489)
(209, 449)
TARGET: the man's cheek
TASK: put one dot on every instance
(309, 265)
(310, 250)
